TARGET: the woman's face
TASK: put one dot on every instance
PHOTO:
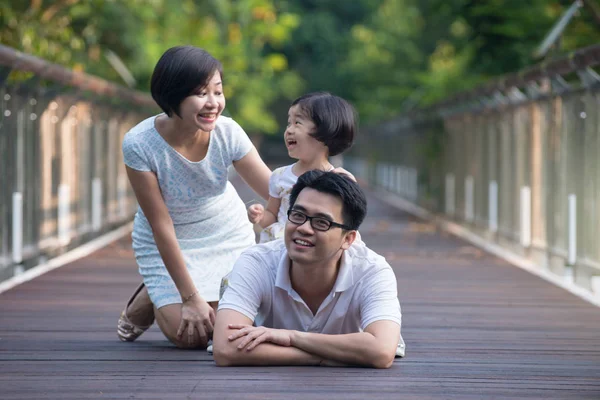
(202, 109)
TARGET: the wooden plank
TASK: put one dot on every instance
(475, 327)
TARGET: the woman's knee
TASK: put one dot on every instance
(184, 342)
(168, 319)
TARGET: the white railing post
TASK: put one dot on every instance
(469, 198)
(572, 254)
(404, 181)
(64, 214)
(449, 192)
(493, 206)
(96, 204)
(525, 216)
(17, 227)
(395, 180)
(414, 184)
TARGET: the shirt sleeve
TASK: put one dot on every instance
(379, 299)
(239, 142)
(273, 183)
(133, 155)
(246, 287)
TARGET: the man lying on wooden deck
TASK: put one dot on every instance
(317, 297)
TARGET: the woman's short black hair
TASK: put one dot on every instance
(180, 72)
(335, 120)
(354, 201)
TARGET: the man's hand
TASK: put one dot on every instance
(255, 213)
(255, 335)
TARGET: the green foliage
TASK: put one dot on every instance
(243, 34)
(386, 56)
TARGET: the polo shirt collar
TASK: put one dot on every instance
(344, 281)
(345, 278)
(282, 280)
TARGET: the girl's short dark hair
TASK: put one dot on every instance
(335, 120)
(180, 72)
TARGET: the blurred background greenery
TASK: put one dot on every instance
(385, 56)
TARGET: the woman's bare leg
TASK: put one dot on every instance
(137, 316)
(141, 310)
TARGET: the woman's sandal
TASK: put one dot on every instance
(127, 331)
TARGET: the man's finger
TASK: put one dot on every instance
(237, 335)
(249, 338)
(237, 326)
(258, 340)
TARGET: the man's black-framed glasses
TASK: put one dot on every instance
(318, 223)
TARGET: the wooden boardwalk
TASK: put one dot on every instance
(475, 328)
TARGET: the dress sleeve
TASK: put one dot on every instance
(133, 155)
(239, 142)
(273, 183)
(379, 299)
(246, 287)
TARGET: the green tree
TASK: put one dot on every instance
(385, 56)
(244, 34)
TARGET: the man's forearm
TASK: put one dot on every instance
(360, 349)
(227, 354)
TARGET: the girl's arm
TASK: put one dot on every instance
(254, 172)
(270, 215)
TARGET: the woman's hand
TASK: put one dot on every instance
(256, 213)
(196, 315)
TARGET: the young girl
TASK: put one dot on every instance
(191, 224)
(320, 125)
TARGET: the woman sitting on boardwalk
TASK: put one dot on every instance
(191, 225)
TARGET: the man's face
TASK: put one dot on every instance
(307, 245)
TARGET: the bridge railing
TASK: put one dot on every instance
(62, 179)
(515, 161)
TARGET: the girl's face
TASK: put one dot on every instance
(201, 109)
(299, 143)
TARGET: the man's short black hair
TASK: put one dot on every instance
(180, 72)
(354, 202)
(334, 118)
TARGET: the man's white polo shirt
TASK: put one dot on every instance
(364, 292)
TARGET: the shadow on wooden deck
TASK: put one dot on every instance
(475, 328)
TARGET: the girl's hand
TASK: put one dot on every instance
(196, 315)
(256, 213)
(340, 170)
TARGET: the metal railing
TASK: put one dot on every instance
(62, 179)
(516, 161)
